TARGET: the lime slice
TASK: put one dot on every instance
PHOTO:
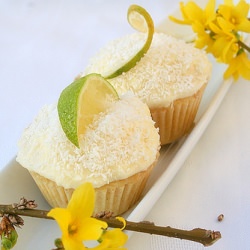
(141, 20)
(81, 101)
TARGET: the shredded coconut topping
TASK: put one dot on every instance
(171, 69)
(119, 143)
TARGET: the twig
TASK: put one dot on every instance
(203, 236)
(8, 209)
(244, 46)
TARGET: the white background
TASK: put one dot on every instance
(45, 44)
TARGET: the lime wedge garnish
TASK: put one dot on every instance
(141, 20)
(81, 101)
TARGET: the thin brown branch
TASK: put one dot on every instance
(244, 46)
(8, 209)
(203, 236)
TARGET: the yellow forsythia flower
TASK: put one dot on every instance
(75, 221)
(239, 66)
(218, 32)
(113, 239)
(237, 15)
(224, 45)
(77, 225)
(192, 13)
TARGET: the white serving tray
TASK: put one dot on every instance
(39, 234)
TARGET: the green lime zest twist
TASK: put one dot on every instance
(140, 20)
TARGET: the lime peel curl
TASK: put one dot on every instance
(140, 20)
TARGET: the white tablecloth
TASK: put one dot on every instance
(45, 44)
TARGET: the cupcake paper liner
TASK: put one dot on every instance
(116, 197)
(177, 119)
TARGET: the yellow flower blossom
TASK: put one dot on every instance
(225, 42)
(191, 13)
(239, 66)
(228, 2)
(75, 221)
(113, 239)
(237, 15)
(218, 32)
(204, 39)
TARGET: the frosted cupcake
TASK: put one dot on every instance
(117, 153)
(170, 78)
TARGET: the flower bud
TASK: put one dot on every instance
(58, 243)
(13, 237)
(6, 243)
(9, 235)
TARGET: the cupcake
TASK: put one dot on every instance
(117, 154)
(170, 78)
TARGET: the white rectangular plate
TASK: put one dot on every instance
(15, 181)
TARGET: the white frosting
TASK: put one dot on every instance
(119, 143)
(171, 69)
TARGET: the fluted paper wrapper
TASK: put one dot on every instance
(177, 119)
(116, 197)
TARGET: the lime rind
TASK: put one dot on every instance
(67, 109)
(141, 20)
